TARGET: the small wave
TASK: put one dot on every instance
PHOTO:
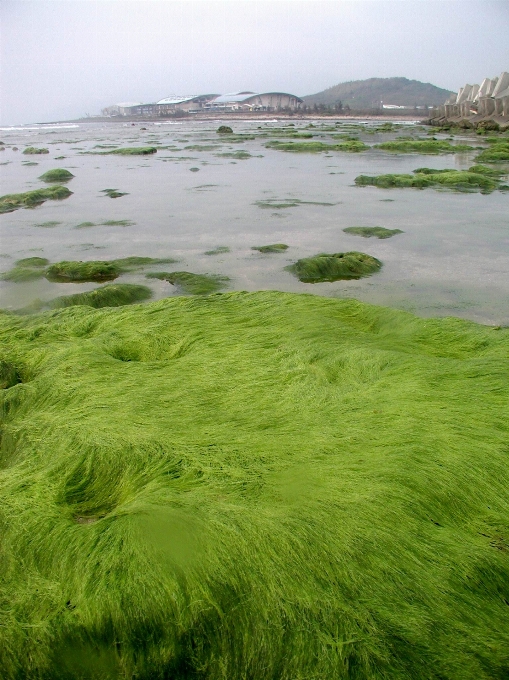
(38, 127)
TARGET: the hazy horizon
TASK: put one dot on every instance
(65, 59)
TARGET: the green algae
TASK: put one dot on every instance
(272, 248)
(48, 225)
(369, 232)
(194, 284)
(498, 152)
(326, 267)
(31, 199)
(118, 223)
(113, 193)
(455, 180)
(32, 150)
(224, 130)
(126, 151)
(220, 250)
(248, 486)
(112, 295)
(78, 271)
(281, 204)
(32, 262)
(85, 225)
(425, 146)
(236, 155)
(317, 147)
(57, 175)
(8, 375)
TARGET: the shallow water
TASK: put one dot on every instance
(452, 259)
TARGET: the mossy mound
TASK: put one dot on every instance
(497, 152)
(220, 250)
(282, 203)
(317, 147)
(32, 262)
(224, 130)
(32, 150)
(27, 269)
(369, 232)
(31, 199)
(272, 248)
(334, 267)
(113, 193)
(57, 175)
(426, 146)
(456, 180)
(256, 486)
(235, 155)
(78, 271)
(113, 295)
(127, 151)
(194, 284)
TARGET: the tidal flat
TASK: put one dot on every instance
(452, 259)
(229, 468)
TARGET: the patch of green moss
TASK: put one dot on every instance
(272, 248)
(497, 152)
(195, 284)
(78, 271)
(203, 147)
(236, 155)
(113, 193)
(425, 146)
(57, 175)
(368, 232)
(85, 225)
(32, 262)
(220, 250)
(32, 150)
(49, 224)
(456, 180)
(224, 130)
(127, 151)
(317, 147)
(31, 199)
(118, 223)
(281, 204)
(113, 295)
(334, 267)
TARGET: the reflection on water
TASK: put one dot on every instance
(452, 259)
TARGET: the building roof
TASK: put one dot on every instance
(245, 96)
(180, 99)
(126, 105)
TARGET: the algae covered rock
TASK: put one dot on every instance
(317, 147)
(455, 180)
(195, 284)
(369, 232)
(78, 271)
(113, 295)
(272, 248)
(27, 269)
(425, 146)
(224, 130)
(31, 199)
(334, 267)
(57, 175)
(32, 150)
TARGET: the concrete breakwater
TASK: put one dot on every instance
(485, 105)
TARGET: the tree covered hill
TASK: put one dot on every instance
(370, 93)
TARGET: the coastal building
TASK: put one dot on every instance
(255, 101)
(189, 103)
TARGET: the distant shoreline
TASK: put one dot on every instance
(234, 116)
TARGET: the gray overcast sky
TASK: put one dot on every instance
(65, 58)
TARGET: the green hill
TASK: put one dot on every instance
(368, 94)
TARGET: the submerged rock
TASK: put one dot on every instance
(224, 130)
(57, 175)
(272, 248)
(31, 199)
(195, 284)
(33, 150)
